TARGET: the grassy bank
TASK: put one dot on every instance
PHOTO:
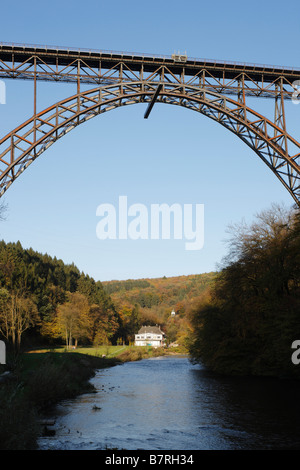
(136, 353)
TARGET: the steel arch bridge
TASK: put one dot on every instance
(215, 89)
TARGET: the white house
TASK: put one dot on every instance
(150, 336)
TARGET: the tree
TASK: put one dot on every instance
(5, 317)
(26, 315)
(105, 324)
(248, 325)
(17, 314)
(72, 318)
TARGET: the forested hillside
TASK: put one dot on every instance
(151, 301)
(241, 320)
(45, 301)
(249, 320)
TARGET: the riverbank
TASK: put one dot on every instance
(36, 380)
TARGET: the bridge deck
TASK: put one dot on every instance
(12, 54)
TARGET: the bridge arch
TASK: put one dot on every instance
(20, 147)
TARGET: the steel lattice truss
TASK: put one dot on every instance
(216, 90)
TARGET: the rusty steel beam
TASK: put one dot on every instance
(20, 148)
(154, 98)
(120, 79)
(102, 67)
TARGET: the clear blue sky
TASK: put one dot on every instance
(173, 157)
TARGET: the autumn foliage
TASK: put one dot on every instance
(248, 322)
(45, 301)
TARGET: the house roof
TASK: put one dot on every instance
(150, 329)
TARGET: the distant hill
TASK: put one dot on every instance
(159, 295)
(151, 301)
(45, 287)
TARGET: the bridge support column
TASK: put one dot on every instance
(279, 120)
(34, 100)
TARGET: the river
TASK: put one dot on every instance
(167, 403)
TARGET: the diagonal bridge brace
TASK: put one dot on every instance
(154, 98)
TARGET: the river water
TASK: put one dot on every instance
(167, 403)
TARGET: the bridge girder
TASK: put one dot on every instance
(215, 89)
(23, 145)
(41, 63)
